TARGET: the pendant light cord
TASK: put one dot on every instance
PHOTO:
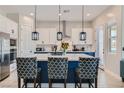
(59, 16)
(82, 18)
(35, 17)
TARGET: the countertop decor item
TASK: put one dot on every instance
(35, 34)
(65, 46)
(59, 34)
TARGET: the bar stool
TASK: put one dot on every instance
(87, 70)
(27, 69)
(57, 69)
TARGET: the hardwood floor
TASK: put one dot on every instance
(105, 80)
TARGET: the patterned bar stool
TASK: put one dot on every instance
(87, 70)
(27, 69)
(57, 69)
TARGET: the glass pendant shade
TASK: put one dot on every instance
(59, 36)
(82, 36)
(35, 35)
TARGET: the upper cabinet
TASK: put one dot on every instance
(89, 35)
(75, 37)
(12, 28)
(53, 36)
(8, 26)
(47, 35)
(3, 27)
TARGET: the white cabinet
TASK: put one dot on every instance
(75, 37)
(89, 35)
(3, 24)
(8, 26)
(47, 35)
(13, 67)
(43, 36)
(26, 41)
(12, 28)
(53, 36)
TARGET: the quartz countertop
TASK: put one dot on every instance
(71, 57)
(60, 51)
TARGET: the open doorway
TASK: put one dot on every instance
(100, 46)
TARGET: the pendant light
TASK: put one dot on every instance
(82, 34)
(35, 34)
(59, 34)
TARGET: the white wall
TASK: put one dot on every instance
(112, 61)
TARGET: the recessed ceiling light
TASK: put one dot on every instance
(88, 14)
(110, 15)
(60, 14)
(32, 14)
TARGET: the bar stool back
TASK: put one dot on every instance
(87, 70)
(27, 69)
(57, 69)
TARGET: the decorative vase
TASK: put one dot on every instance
(64, 52)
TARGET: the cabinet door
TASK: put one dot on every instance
(12, 28)
(76, 39)
(76, 36)
(52, 36)
(26, 41)
(43, 35)
(3, 27)
(89, 36)
(47, 35)
(14, 31)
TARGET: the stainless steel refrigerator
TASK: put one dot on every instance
(4, 55)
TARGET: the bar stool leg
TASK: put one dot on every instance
(50, 83)
(95, 82)
(35, 83)
(75, 84)
(19, 82)
(80, 83)
(64, 83)
(89, 83)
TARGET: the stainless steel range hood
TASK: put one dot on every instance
(64, 30)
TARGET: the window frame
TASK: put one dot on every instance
(110, 37)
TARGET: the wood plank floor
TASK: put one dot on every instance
(105, 80)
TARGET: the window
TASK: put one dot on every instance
(112, 38)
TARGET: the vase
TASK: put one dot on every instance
(64, 52)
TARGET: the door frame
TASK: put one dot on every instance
(98, 28)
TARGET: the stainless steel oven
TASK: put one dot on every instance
(13, 55)
(13, 50)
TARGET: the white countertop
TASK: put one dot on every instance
(71, 57)
(61, 51)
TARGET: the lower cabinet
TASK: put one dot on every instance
(12, 66)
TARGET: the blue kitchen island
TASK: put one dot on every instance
(72, 65)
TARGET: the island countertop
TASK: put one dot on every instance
(71, 57)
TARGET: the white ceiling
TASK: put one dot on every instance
(50, 12)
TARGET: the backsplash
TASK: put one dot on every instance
(50, 47)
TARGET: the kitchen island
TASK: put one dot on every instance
(73, 58)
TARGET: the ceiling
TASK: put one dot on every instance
(50, 12)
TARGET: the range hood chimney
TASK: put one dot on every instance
(64, 30)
